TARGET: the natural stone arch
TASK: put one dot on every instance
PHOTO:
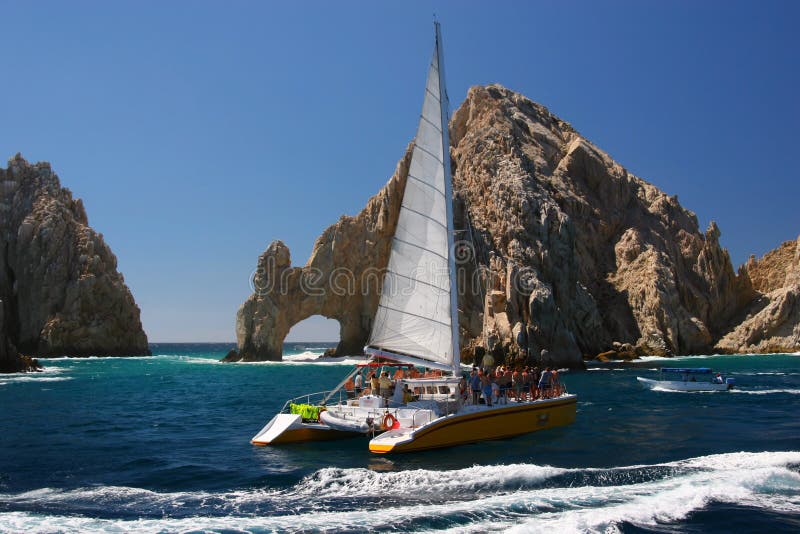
(341, 280)
(314, 330)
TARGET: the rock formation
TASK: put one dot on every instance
(12, 361)
(61, 292)
(341, 280)
(573, 255)
(771, 322)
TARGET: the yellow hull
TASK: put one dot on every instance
(306, 433)
(497, 423)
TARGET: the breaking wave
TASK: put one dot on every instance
(517, 497)
(45, 375)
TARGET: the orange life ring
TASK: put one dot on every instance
(389, 421)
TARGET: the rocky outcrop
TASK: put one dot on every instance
(573, 255)
(605, 256)
(771, 322)
(61, 292)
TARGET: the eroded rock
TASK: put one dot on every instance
(61, 291)
(771, 322)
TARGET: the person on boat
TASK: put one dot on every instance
(535, 376)
(475, 385)
(408, 395)
(555, 383)
(516, 382)
(486, 385)
(350, 388)
(385, 384)
(462, 390)
(545, 383)
(526, 383)
(505, 385)
(718, 378)
(358, 384)
(374, 383)
(498, 375)
(495, 391)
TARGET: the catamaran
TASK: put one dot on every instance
(415, 328)
(689, 379)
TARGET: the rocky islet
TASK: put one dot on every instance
(61, 292)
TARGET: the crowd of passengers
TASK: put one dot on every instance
(483, 385)
(496, 386)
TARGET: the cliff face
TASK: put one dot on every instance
(12, 361)
(771, 322)
(607, 257)
(61, 292)
(574, 254)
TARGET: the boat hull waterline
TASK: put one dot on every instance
(679, 385)
(501, 422)
(289, 428)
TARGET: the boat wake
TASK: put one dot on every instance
(519, 497)
(314, 358)
(766, 391)
(668, 390)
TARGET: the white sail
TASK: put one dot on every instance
(417, 315)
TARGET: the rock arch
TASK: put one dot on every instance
(313, 332)
(341, 280)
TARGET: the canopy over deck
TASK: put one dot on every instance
(687, 370)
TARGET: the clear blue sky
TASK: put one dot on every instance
(198, 132)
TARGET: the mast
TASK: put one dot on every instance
(448, 185)
(417, 317)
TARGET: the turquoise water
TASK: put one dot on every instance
(161, 444)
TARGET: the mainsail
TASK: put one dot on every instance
(417, 318)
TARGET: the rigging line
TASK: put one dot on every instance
(426, 183)
(417, 347)
(443, 290)
(426, 216)
(433, 95)
(437, 128)
(414, 315)
(428, 152)
(419, 247)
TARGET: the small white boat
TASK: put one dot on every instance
(688, 379)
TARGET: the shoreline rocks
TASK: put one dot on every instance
(771, 321)
(12, 361)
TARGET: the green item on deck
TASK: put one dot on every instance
(308, 412)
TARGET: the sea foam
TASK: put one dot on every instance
(518, 497)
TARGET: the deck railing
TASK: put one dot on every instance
(319, 398)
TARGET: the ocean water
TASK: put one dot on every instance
(161, 444)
